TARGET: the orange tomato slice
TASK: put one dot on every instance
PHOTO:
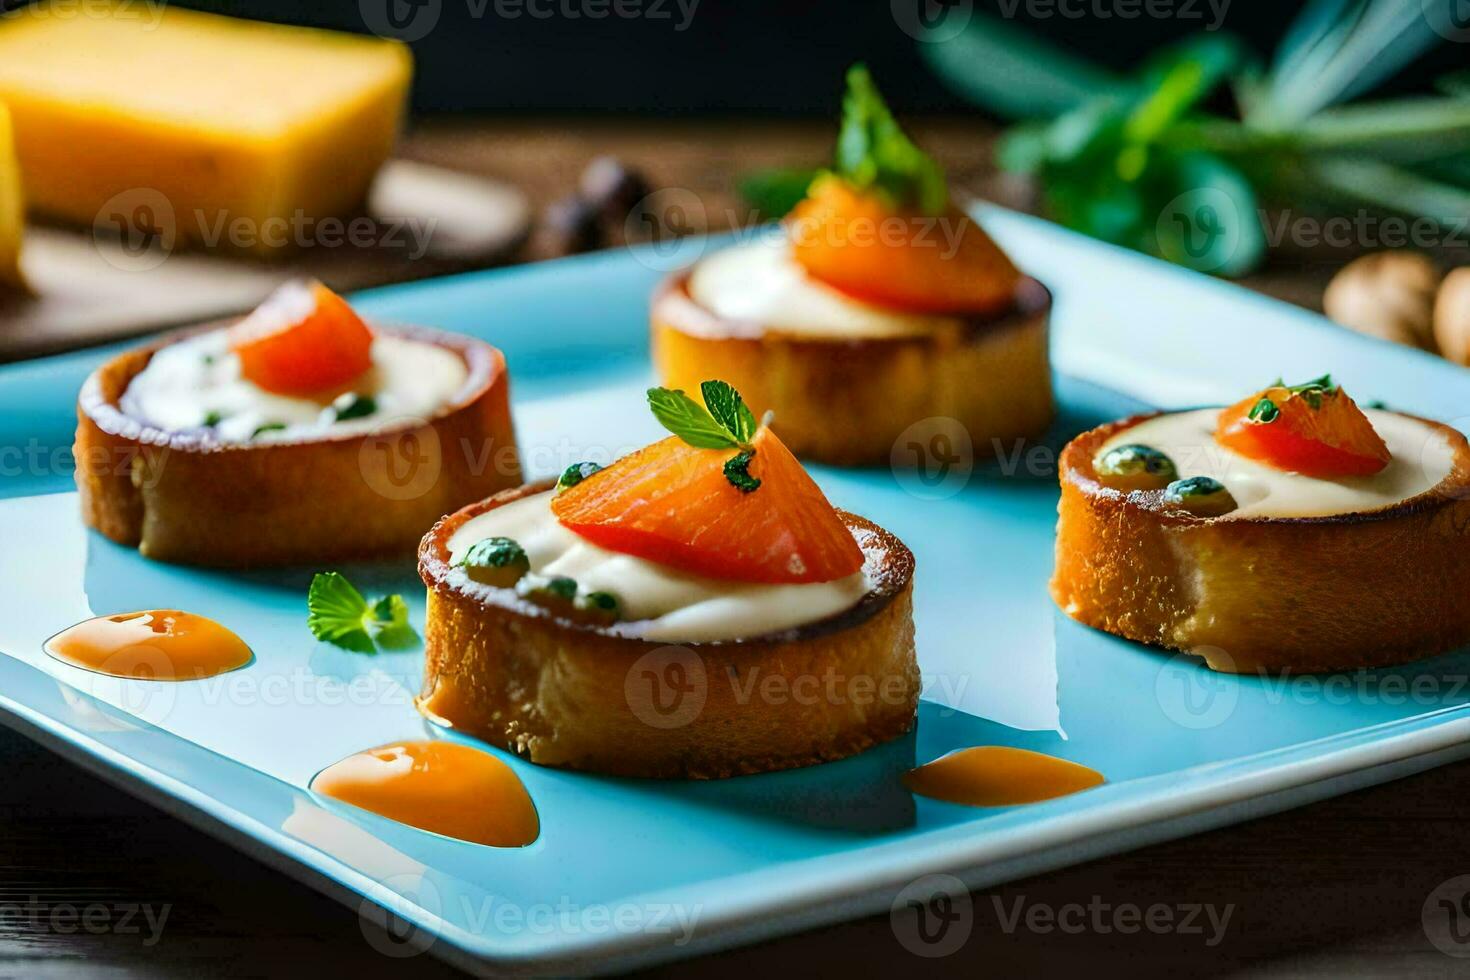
(853, 241)
(303, 340)
(671, 503)
(1314, 432)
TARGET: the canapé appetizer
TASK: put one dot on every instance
(297, 434)
(697, 609)
(1292, 531)
(877, 305)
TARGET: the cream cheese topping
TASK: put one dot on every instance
(761, 283)
(1422, 458)
(188, 384)
(659, 602)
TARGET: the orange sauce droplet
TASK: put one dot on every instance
(442, 787)
(154, 645)
(997, 775)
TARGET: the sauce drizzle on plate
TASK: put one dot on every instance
(154, 645)
(998, 775)
(442, 787)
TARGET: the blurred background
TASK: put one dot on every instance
(753, 58)
(1273, 144)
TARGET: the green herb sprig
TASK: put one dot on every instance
(1176, 158)
(873, 153)
(724, 421)
(1264, 411)
(337, 613)
(1312, 392)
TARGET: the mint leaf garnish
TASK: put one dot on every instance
(730, 410)
(689, 420)
(390, 616)
(724, 421)
(873, 151)
(338, 614)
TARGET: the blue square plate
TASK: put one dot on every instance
(628, 872)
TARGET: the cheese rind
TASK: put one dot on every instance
(12, 208)
(245, 130)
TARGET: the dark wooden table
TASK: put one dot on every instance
(1334, 889)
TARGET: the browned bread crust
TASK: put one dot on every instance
(565, 693)
(183, 497)
(1266, 594)
(848, 401)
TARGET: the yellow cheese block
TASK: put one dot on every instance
(207, 130)
(12, 208)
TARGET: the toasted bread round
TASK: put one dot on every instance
(1266, 594)
(848, 401)
(186, 497)
(560, 692)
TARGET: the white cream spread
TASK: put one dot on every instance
(659, 602)
(194, 382)
(1422, 458)
(760, 283)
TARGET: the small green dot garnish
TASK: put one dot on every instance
(562, 587)
(499, 562)
(554, 592)
(1135, 467)
(354, 406)
(1264, 411)
(600, 607)
(575, 474)
(1201, 496)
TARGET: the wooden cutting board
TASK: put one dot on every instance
(94, 286)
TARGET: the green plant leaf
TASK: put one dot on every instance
(1178, 79)
(1456, 84)
(1391, 187)
(1343, 50)
(873, 151)
(689, 420)
(730, 410)
(1012, 72)
(338, 614)
(774, 192)
(390, 620)
(1408, 129)
(1210, 219)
